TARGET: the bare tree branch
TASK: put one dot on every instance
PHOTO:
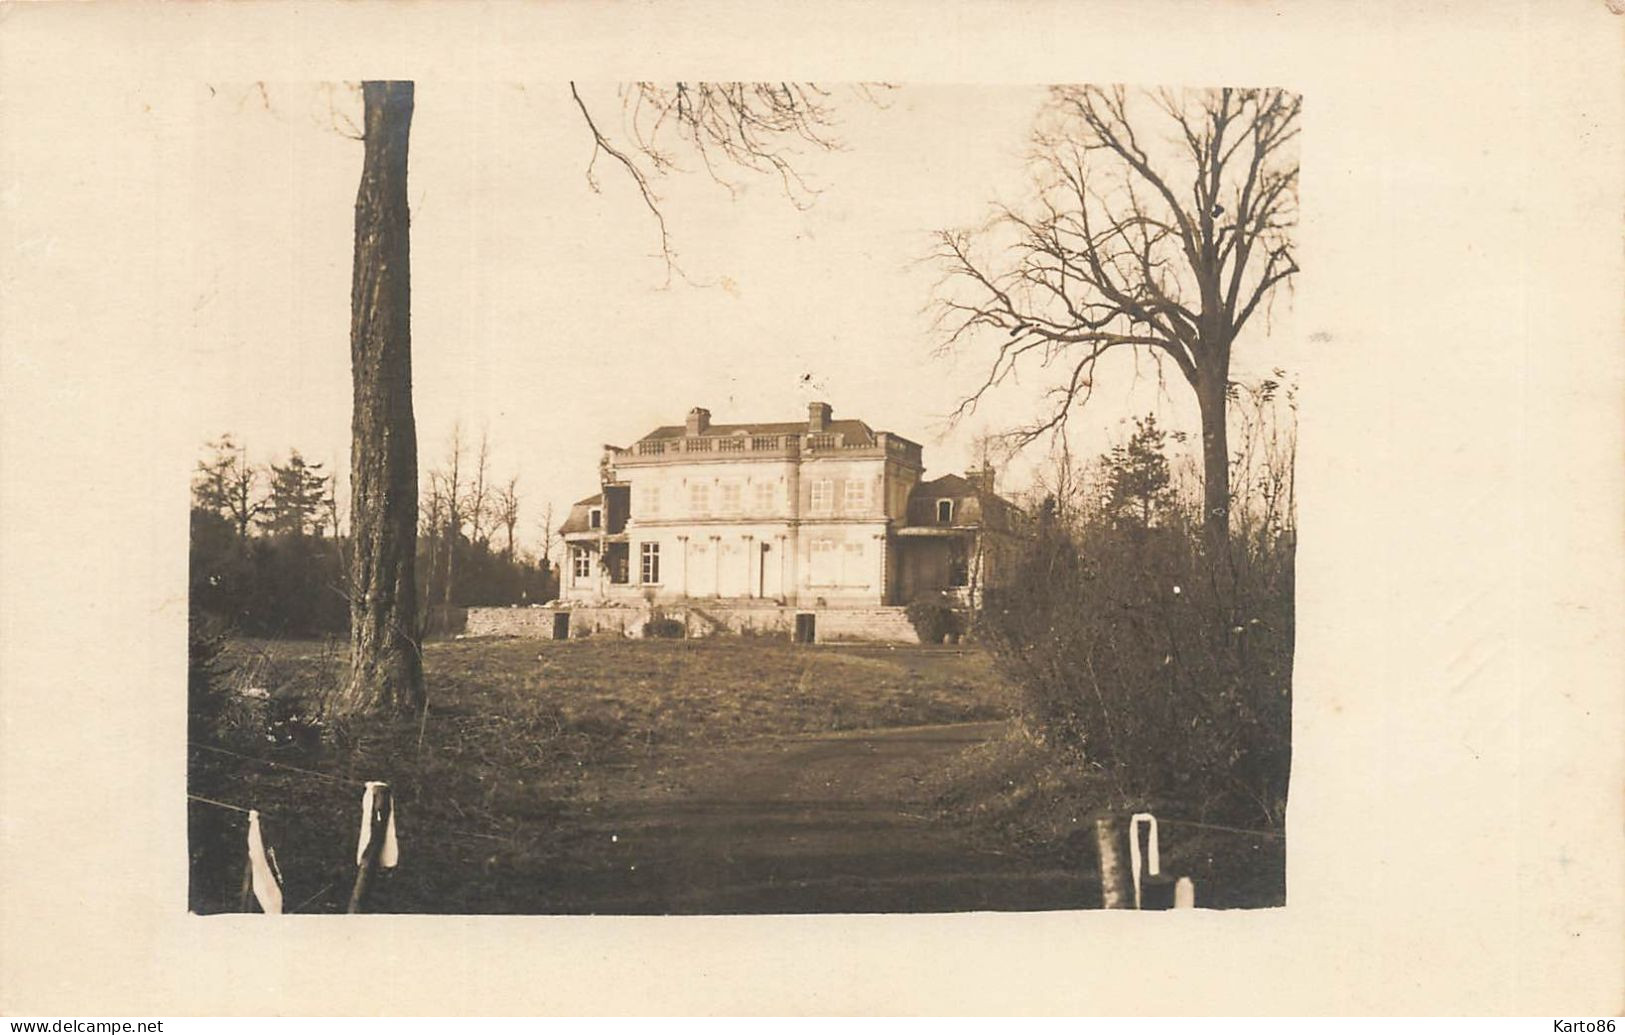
(760, 128)
(650, 201)
(1158, 221)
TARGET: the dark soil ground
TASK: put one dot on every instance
(837, 823)
(658, 777)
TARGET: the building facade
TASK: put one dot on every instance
(821, 513)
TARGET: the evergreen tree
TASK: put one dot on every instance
(298, 500)
(1138, 486)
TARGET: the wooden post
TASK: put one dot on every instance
(1185, 893)
(1157, 892)
(1115, 890)
(1145, 866)
(376, 825)
(246, 898)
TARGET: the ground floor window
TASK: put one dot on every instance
(854, 565)
(824, 566)
(958, 565)
(649, 572)
(615, 559)
(581, 563)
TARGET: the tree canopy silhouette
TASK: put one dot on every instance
(1160, 221)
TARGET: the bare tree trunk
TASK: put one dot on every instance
(1210, 397)
(479, 508)
(452, 535)
(454, 514)
(386, 670)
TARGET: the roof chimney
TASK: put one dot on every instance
(982, 479)
(818, 416)
(699, 419)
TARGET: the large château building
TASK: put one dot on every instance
(821, 513)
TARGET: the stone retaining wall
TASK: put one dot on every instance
(831, 624)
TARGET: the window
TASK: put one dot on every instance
(581, 563)
(856, 500)
(699, 498)
(854, 571)
(595, 518)
(730, 497)
(649, 571)
(765, 497)
(823, 496)
(649, 501)
(823, 563)
(945, 512)
(958, 565)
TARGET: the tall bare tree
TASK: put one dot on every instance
(550, 537)
(1161, 222)
(506, 512)
(451, 496)
(331, 518)
(753, 126)
(229, 485)
(386, 667)
(431, 530)
(479, 502)
(1061, 484)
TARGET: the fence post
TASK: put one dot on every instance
(247, 894)
(1157, 893)
(1184, 893)
(376, 819)
(1115, 890)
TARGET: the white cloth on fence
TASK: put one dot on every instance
(1153, 859)
(390, 853)
(267, 883)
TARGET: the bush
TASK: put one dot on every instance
(664, 629)
(206, 674)
(934, 622)
(1169, 675)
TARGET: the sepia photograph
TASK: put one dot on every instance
(768, 497)
(714, 508)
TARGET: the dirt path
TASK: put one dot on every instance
(838, 823)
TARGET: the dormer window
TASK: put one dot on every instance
(595, 518)
(945, 512)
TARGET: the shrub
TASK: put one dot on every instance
(206, 672)
(293, 718)
(664, 629)
(1169, 674)
(934, 622)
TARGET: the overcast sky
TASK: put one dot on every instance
(542, 313)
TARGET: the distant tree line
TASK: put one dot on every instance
(269, 550)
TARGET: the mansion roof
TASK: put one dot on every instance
(973, 504)
(855, 431)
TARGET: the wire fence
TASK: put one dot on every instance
(277, 765)
(449, 839)
(1272, 835)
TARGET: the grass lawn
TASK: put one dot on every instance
(519, 737)
(524, 739)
